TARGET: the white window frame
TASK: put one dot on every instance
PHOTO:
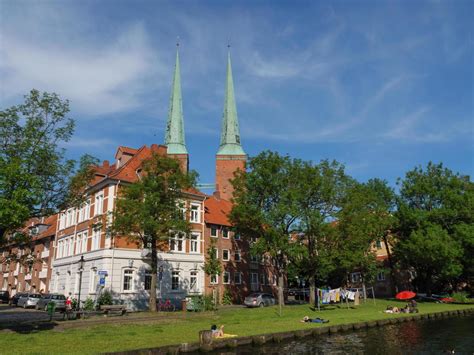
(217, 232)
(175, 241)
(195, 243)
(132, 279)
(214, 279)
(146, 274)
(93, 281)
(96, 239)
(252, 278)
(195, 213)
(263, 278)
(237, 236)
(223, 254)
(87, 210)
(177, 274)
(193, 274)
(225, 233)
(239, 253)
(381, 276)
(99, 202)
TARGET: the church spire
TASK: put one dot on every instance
(175, 127)
(230, 135)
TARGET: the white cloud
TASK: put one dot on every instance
(98, 76)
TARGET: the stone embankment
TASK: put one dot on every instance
(261, 339)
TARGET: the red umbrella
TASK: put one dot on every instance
(405, 295)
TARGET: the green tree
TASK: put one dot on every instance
(35, 176)
(435, 206)
(265, 211)
(366, 217)
(212, 266)
(149, 211)
(318, 198)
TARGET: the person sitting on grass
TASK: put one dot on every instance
(306, 319)
(217, 333)
(391, 309)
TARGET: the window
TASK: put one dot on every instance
(128, 280)
(225, 255)
(381, 276)
(84, 242)
(95, 240)
(194, 243)
(93, 281)
(193, 281)
(177, 243)
(226, 277)
(214, 279)
(214, 232)
(80, 214)
(378, 244)
(262, 279)
(99, 204)
(175, 280)
(356, 277)
(254, 278)
(254, 258)
(237, 255)
(236, 236)
(147, 281)
(195, 215)
(225, 233)
(62, 221)
(87, 210)
(238, 278)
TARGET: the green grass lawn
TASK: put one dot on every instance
(185, 328)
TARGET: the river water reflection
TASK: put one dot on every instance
(439, 336)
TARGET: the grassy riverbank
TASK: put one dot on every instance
(154, 330)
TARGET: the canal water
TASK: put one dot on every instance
(439, 336)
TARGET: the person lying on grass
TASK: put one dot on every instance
(217, 333)
(306, 319)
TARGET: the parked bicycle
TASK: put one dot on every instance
(166, 306)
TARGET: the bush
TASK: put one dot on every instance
(203, 303)
(105, 299)
(88, 304)
(461, 297)
(227, 298)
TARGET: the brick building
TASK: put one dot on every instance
(26, 267)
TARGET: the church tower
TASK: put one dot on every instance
(230, 156)
(174, 138)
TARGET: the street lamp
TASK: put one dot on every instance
(81, 268)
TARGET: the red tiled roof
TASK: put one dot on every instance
(126, 150)
(217, 211)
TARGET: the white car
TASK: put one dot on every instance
(29, 300)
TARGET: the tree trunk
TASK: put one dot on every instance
(154, 271)
(312, 290)
(281, 301)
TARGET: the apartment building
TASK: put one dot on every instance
(26, 267)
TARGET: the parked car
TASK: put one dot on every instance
(16, 297)
(259, 300)
(4, 297)
(60, 301)
(29, 300)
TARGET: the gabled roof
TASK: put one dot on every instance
(216, 211)
(126, 150)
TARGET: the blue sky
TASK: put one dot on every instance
(381, 86)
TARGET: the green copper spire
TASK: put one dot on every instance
(175, 128)
(230, 135)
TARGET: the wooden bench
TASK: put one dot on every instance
(114, 308)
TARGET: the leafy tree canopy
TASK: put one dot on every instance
(35, 177)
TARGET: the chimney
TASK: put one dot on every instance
(154, 147)
(217, 194)
(105, 164)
